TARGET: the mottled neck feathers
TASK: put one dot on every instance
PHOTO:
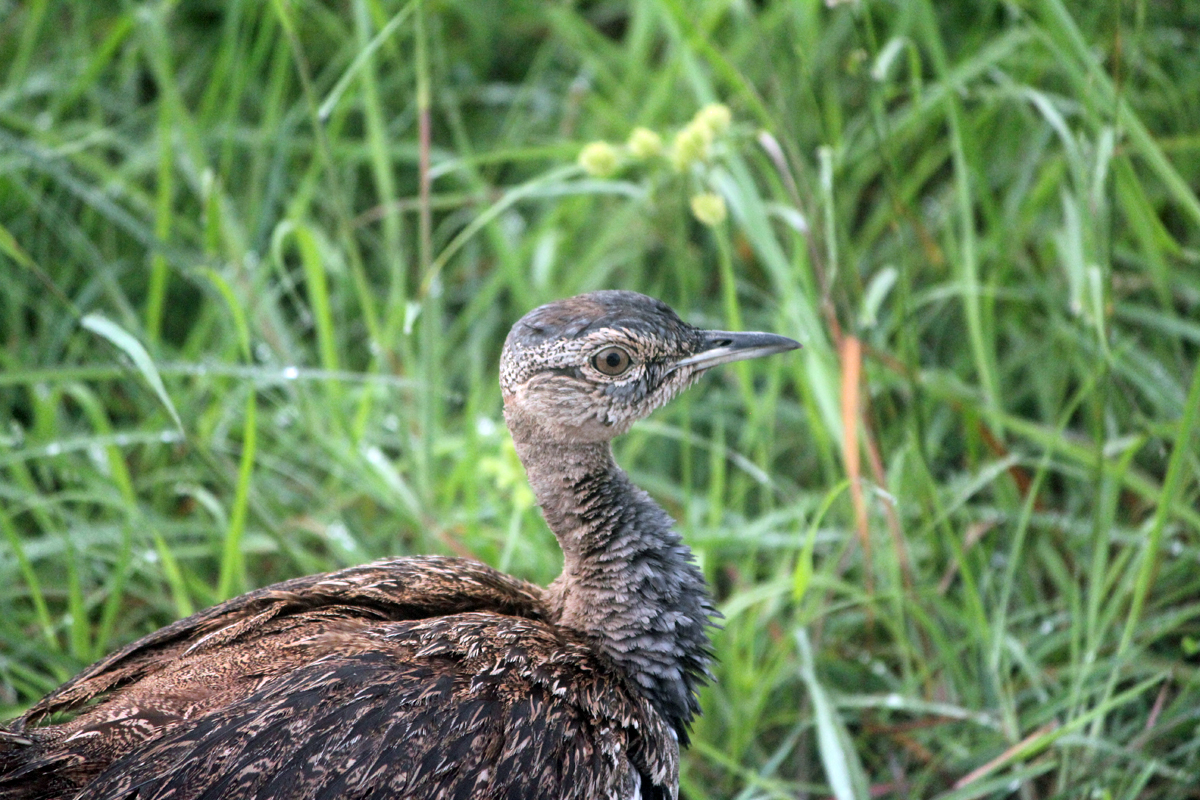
(629, 583)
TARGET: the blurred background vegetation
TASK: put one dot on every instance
(258, 259)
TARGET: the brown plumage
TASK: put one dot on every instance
(430, 677)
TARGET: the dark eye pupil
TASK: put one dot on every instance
(612, 361)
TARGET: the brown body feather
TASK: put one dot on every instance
(430, 677)
(416, 671)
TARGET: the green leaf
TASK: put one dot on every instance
(842, 766)
(129, 345)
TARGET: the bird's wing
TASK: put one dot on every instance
(395, 589)
(475, 705)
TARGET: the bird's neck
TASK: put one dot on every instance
(629, 583)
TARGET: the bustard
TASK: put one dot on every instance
(437, 677)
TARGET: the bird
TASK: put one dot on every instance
(428, 676)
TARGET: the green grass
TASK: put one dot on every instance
(986, 587)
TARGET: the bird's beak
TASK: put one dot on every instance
(721, 347)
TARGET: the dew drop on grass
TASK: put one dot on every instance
(16, 433)
(412, 310)
(290, 373)
(339, 534)
(376, 457)
(53, 449)
(512, 224)
(285, 416)
(99, 459)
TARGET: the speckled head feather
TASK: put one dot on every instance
(555, 383)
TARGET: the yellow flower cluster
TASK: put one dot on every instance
(709, 208)
(691, 145)
(644, 144)
(694, 142)
(599, 159)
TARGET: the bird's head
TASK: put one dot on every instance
(586, 368)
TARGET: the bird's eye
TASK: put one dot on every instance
(612, 361)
